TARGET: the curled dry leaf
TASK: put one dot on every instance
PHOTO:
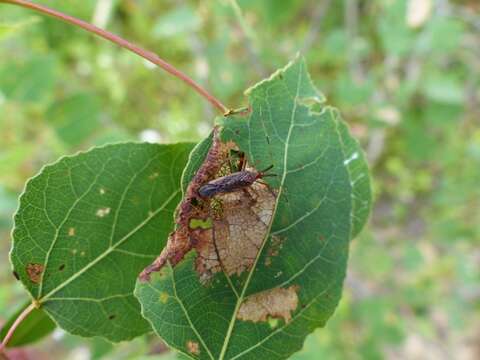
(226, 230)
(274, 303)
(295, 282)
(179, 242)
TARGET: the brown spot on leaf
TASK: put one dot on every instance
(34, 272)
(274, 303)
(274, 249)
(111, 317)
(61, 267)
(193, 347)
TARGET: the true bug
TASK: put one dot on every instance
(233, 182)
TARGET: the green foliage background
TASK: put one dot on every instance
(410, 94)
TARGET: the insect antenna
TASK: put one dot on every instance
(262, 174)
(266, 169)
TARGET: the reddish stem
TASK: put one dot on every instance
(14, 326)
(150, 56)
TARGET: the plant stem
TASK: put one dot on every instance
(14, 326)
(150, 56)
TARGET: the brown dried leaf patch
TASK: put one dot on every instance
(240, 225)
(34, 272)
(274, 249)
(227, 230)
(193, 347)
(179, 242)
(274, 303)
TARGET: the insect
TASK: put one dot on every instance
(233, 182)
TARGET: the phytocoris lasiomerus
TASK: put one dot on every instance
(233, 182)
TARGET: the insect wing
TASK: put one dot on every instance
(208, 190)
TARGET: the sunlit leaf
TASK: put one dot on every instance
(87, 225)
(74, 118)
(29, 81)
(181, 20)
(295, 282)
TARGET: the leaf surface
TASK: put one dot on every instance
(87, 225)
(323, 200)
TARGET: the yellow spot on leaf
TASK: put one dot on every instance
(272, 322)
(102, 212)
(71, 231)
(163, 297)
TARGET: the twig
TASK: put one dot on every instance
(14, 326)
(150, 56)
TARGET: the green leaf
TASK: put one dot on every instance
(34, 327)
(182, 20)
(32, 80)
(444, 88)
(9, 28)
(323, 201)
(396, 38)
(75, 118)
(87, 225)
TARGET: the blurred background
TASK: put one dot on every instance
(405, 75)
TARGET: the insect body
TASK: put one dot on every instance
(233, 182)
